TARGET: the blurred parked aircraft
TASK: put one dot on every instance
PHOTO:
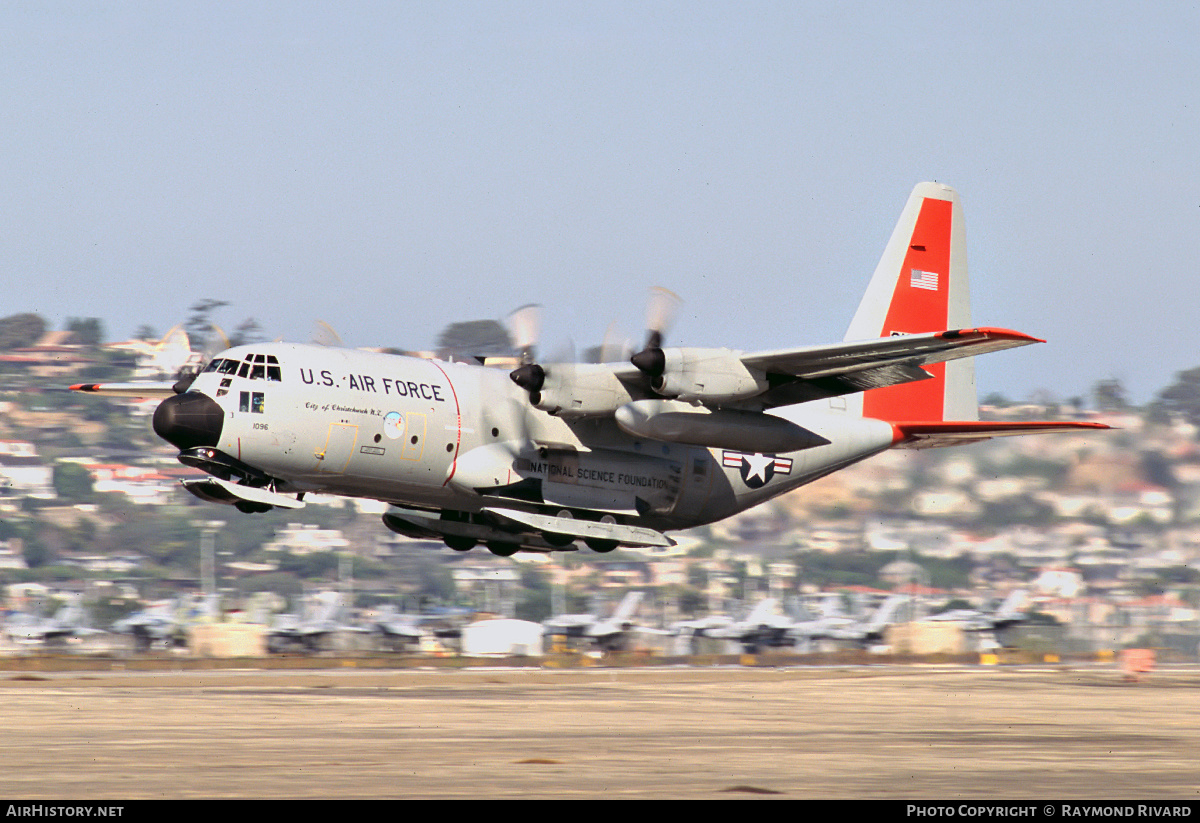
(70, 621)
(609, 633)
(1008, 613)
(323, 617)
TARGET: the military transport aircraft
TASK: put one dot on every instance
(550, 455)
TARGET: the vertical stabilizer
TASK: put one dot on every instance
(921, 285)
(628, 605)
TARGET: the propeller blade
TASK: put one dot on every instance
(323, 334)
(214, 342)
(524, 326)
(616, 346)
(660, 314)
(533, 377)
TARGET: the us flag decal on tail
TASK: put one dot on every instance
(927, 280)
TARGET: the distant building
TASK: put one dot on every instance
(23, 473)
(307, 538)
(502, 636)
(11, 556)
(138, 483)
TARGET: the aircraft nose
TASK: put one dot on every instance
(189, 420)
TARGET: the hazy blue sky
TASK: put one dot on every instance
(391, 167)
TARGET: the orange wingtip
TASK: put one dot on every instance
(989, 331)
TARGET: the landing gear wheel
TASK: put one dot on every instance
(602, 546)
(502, 549)
(460, 544)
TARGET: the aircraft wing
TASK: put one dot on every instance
(164, 389)
(814, 372)
(407, 631)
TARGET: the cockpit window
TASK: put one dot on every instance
(254, 367)
(254, 402)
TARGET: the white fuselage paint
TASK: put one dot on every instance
(430, 434)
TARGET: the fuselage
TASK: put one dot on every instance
(448, 436)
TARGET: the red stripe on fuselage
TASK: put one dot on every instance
(458, 426)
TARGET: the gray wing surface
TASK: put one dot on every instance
(813, 372)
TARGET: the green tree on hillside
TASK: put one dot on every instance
(1181, 397)
(20, 330)
(87, 331)
(73, 483)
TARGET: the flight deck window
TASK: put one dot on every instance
(254, 367)
(222, 366)
(254, 403)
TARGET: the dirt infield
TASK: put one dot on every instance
(879, 732)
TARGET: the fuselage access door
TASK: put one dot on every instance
(339, 448)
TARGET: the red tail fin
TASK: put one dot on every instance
(921, 285)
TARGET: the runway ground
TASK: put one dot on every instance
(876, 732)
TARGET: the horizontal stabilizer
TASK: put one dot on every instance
(933, 435)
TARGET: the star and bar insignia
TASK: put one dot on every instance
(756, 469)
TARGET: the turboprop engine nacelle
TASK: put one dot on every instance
(708, 375)
(678, 422)
(580, 390)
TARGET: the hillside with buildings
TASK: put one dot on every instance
(1102, 529)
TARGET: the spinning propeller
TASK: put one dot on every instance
(660, 314)
(532, 376)
(525, 325)
(215, 341)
